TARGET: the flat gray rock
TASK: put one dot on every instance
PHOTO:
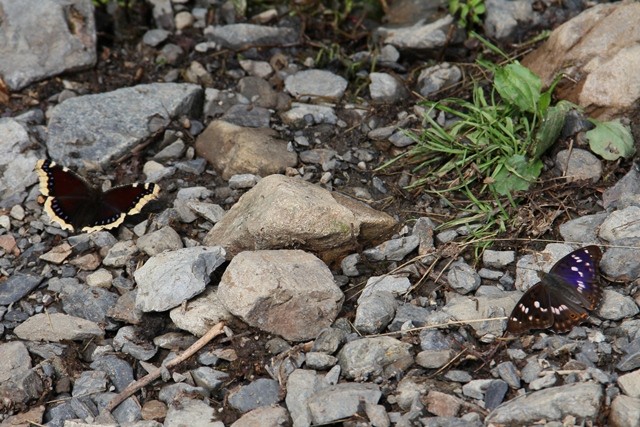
(578, 164)
(15, 358)
(247, 116)
(420, 36)
(120, 253)
(16, 162)
(497, 259)
(301, 385)
(43, 38)
(315, 83)
(169, 278)
(375, 312)
(386, 88)
(308, 114)
(237, 36)
(463, 278)
(438, 77)
(341, 401)
(129, 340)
(108, 125)
(581, 400)
(17, 286)
(370, 357)
(495, 303)
(622, 260)
(57, 327)
(396, 285)
(261, 392)
(159, 241)
(625, 192)
(92, 304)
(393, 250)
(621, 224)
(583, 229)
(615, 306)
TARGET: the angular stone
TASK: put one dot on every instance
(282, 212)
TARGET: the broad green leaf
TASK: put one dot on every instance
(550, 128)
(519, 86)
(545, 98)
(516, 175)
(611, 140)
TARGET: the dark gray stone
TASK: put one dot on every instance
(509, 373)
(209, 378)
(89, 382)
(262, 392)
(170, 393)
(247, 116)
(409, 312)
(626, 192)
(55, 416)
(622, 260)
(494, 395)
(375, 312)
(329, 340)
(17, 286)
(91, 303)
(237, 36)
(128, 340)
(120, 372)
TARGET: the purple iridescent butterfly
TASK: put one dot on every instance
(561, 299)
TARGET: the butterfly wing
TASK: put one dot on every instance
(115, 204)
(68, 195)
(532, 311)
(566, 313)
(577, 275)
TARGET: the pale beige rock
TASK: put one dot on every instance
(233, 150)
(267, 416)
(283, 212)
(57, 327)
(200, 313)
(58, 254)
(600, 51)
(161, 240)
(625, 412)
(290, 293)
(88, 262)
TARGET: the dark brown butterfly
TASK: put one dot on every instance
(76, 205)
(561, 299)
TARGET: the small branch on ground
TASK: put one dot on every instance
(146, 380)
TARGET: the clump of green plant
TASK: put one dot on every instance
(492, 148)
(468, 12)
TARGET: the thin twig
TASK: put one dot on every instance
(146, 380)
